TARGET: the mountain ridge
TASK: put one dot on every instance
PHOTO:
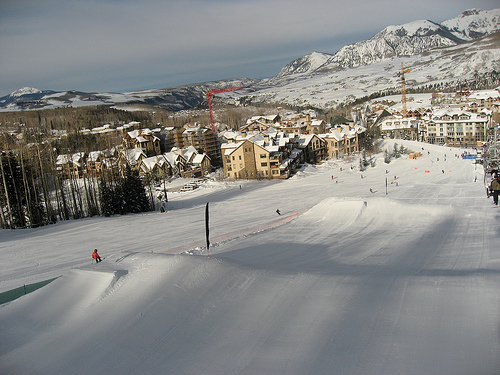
(445, 52)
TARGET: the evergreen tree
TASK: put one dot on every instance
(12, 188)
(134, 194)
(21, 200)
(107, 200)
(396, 152)
(387, 157)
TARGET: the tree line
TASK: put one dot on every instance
(33, 193)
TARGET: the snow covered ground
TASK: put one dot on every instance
(345, 281)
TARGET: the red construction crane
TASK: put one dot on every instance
(209, 95)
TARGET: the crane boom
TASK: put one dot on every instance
(209, 95)
(403, 87)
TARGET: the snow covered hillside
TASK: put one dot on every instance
(404, 280)
(442, 66)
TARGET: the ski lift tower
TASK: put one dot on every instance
(491, 156)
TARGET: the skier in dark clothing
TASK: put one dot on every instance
(278, 212)
(495, 188)
(96, 256)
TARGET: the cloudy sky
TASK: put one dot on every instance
(123, 45)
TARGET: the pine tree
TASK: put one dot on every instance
(387, 157)
(107, 200)
(134, 194)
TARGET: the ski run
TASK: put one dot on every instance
(402, 279)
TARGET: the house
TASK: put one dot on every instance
(343, 140)
(262, 123)
(484, 98)
(201, 165)
(399, 127)
(177, 161)
(314, 148)
(264, 155)
(71, 165)
(130, 158)
(293, 126)
(155, 167)
(95, 163)
(142, 139)
(239, 159)
(197, 164)
(316, 126)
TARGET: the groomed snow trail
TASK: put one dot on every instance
(359, 283)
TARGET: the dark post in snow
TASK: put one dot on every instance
(386, 186)
(207, 231)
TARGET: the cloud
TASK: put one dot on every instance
(105, 45)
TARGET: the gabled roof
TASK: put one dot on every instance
(95, 155)
(133, 134)
(189, 152)
(133, 155)
(174, 157)
(62, 159)
(198, 159)
(148, 164)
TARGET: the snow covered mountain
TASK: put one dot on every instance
(474, 23)
(454, 52)
(447, 53)
(462, 64)
(403, 40)
(175, 98)
(306, 64)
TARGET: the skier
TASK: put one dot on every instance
(278, 212)
(96, 256)
(495, 188)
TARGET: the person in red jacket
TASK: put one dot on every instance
(96, 256)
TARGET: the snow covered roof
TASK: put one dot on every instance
(484, 94)
(174, 157)
(458, 114)
(147, 164)
(189, 152)
(133, 155)
(95, 155)
(198, 159)
(62, 159)
(133, 134)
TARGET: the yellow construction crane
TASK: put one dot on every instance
(401, 76)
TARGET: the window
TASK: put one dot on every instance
(275, 171)
(240, 157)
(241, 165)
(262, 156)
(263, 164)
(233, 157)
